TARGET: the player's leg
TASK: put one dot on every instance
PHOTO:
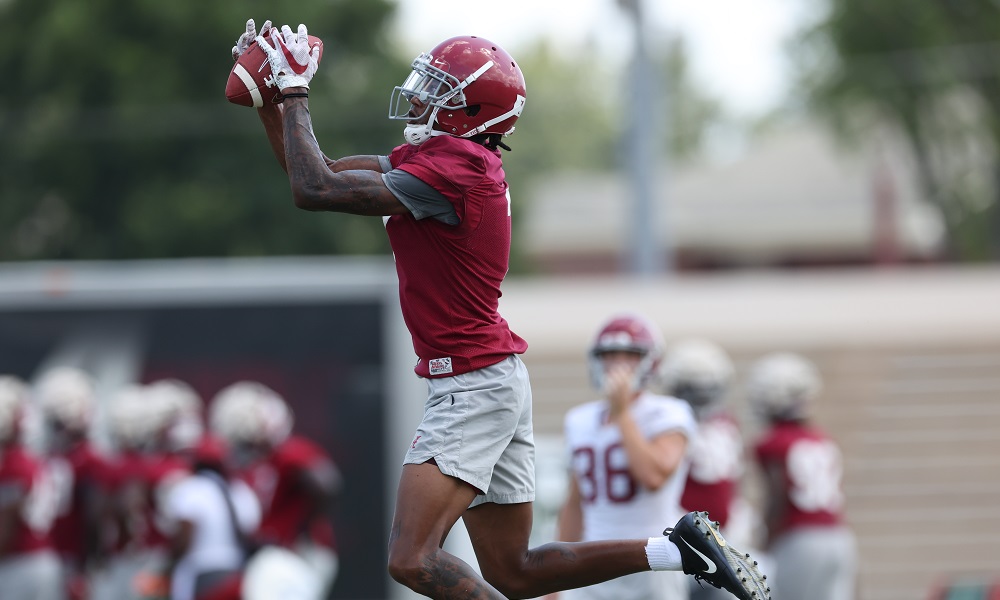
(499, 534)
(428, 504)
(469, 421)
(500, 524)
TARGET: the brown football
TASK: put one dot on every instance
(250, 81)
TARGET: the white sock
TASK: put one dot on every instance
(662, 554)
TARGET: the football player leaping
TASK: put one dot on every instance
(447, 212)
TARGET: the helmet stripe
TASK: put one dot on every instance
(513, 112)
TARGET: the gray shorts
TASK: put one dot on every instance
(819, 563)
(35, 575)
(477, 427)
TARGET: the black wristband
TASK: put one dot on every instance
(296, 95)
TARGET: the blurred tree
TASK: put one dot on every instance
(119, 144)
(929, 70)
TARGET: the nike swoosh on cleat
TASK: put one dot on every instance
(708, 561)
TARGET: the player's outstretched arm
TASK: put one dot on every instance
(351, 185)
(270, 118)
(270, 114)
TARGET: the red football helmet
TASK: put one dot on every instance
(468, 84)
(627, 333)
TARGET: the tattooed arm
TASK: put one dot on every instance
(271, 117)
(349, 185)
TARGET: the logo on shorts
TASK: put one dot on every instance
(414, 444)
(439, 366)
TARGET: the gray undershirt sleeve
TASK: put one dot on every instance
(423, 200)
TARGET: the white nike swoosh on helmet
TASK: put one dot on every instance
(711, 564)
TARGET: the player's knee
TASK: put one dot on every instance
(515, 589)
(405, 567)
(513, 583)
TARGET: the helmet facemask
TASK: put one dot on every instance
(435, 89)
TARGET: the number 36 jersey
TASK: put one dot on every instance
(616, 506)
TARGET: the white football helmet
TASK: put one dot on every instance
(278, 419)
(184, 407)
(13, 393)
(275, 572)
(698, 371)
(782, 385)
(177, 394)
(132, 419)
(246, 412)
(66, 395)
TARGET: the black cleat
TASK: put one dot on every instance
(705, 554)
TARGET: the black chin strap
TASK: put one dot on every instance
(491, 141)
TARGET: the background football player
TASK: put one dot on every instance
(627, 456)
(813, 550)
(141, 476)
(295, 480)
(212, 513)
(700, 372)
(29, 567)
(66, 398)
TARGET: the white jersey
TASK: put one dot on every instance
(614, 505)
(214, 545)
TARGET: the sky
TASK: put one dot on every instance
(735, 46)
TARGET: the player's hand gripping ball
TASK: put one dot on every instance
(251, 81)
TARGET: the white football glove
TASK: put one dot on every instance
(248, 37)
(292, 62)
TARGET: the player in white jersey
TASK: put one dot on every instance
(628, 457)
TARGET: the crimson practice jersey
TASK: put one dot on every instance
(24, 480)
(450, 276)
(614, 505)
(139, 483)
(716, 455)
(287, 510)
(76, 474)
(811, 468)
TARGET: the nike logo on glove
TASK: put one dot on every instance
(293, 64)
(711, 564)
